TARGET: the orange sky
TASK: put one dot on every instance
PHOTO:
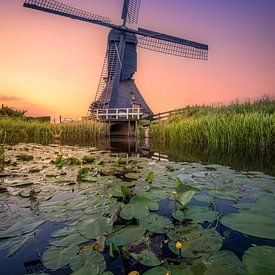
(51, 65)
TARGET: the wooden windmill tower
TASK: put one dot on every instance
(116, 87)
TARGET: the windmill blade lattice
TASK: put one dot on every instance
(106, 82)
(131, 10)
(58, 8)
(168, 44)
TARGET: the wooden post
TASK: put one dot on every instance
(129, 125)
(106, 114)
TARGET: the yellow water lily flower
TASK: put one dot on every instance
(167, 273)
(174, 193)
(178, 245)
(134, 273)
(165, 241)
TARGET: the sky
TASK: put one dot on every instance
(50, 65)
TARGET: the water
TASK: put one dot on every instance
(28, 259)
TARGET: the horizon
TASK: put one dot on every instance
(51, 65)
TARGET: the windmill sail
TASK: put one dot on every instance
(172, 45)
(105, 86)
(55, 7)
(130, 11)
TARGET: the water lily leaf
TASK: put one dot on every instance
(224, 262)
(138, 208)
(24, 157)
(126, 235)
(155, 223)
(147, 258)
(259, 260)
(186, 197)
(251, 224)
(113, 250)
(169, 269)
(57, 257)
(125, 191)
(93, 228)
(89, 270)
(198, 242)
(67, 230)
(160, 270)
(223, 194)
(68, 240)
(150, 177)
(88, 260)
(198, 214)
(22, 226)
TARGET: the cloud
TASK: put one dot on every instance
(33, 109)
(10, 98)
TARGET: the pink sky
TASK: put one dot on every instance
(51, 65)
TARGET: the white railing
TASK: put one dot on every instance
(119, 113)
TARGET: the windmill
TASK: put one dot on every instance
(117, 88)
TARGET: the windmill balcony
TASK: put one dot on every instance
(118, 114)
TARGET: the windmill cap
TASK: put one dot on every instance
(114, 35)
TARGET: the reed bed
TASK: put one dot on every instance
(246, 124)
(22, 130)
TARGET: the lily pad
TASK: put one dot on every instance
(224, 262)
(155, 223)
(259, 260)
(186, 197)
(198, 214)
(58, 257)
(88, 260)
(138, 208)
(69, 240)
(126, 235)
(93, 228)
(169, 269)
(22, 226)
(198, 242)
(147, 258)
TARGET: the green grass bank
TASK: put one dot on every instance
(246, 124)
(22, 130)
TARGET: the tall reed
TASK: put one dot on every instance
(237, 124)
(21, 130)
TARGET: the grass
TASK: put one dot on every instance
(22, 130)
(248, 123)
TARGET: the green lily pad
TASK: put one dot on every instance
(259, 260)
(126, 235)
(198, 214)
(223, 194)
(252, 224)
(88, 260)
(186, 197)
(198, 242)
(138, 208)
(58, 257)
(89, 270)
(67, 230)
(224, 262)
(169, 269)
(155, 223)
(24, 157)
(22, 226)
(147, 258)
(69, 240)
(93, 228)
(160, 270)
